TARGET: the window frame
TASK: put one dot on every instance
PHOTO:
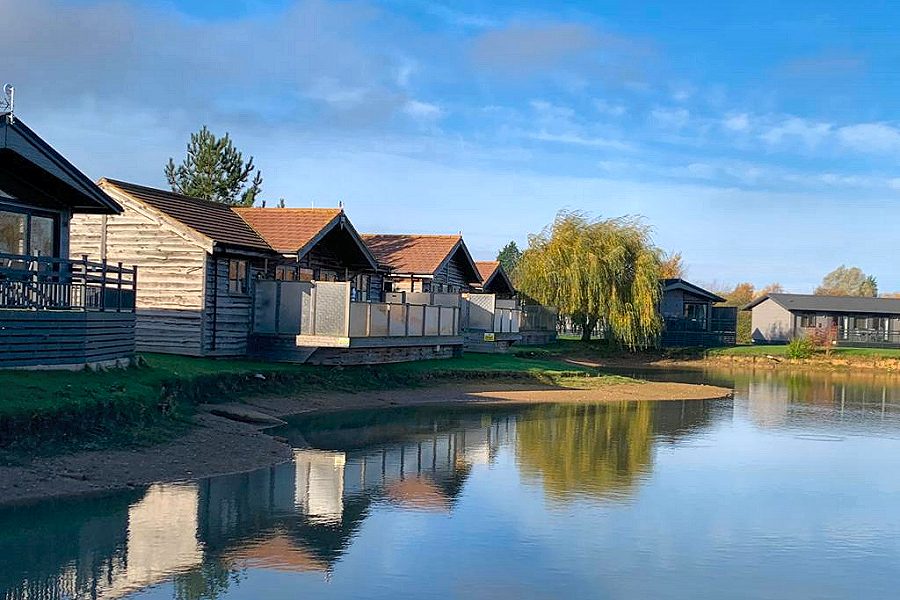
(242, 283)
(29, 214)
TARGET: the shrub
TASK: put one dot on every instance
(801, 347)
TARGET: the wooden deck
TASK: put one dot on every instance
(64, 338)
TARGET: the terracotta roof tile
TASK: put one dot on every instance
(417, 254)
(216, 221)
(486, 268)
(288, 229)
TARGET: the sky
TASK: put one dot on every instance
(759, 139)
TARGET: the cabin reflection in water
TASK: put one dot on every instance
(787, 399)
(302, 516)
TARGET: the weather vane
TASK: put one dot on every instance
(8, 102)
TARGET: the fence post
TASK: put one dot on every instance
(440, 310)
(368, 319)
(134, 288)
(84, 287)
(119, 290)
(406, 320)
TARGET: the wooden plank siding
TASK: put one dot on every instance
(228, 316)
(57, 338)
(171, 263)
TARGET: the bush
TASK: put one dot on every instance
(801, 347)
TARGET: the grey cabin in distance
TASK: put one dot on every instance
(691, 317)
(857, 321)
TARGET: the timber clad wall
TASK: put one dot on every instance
(171, 267)
(454, 272)
(56, 338)
(228, 316)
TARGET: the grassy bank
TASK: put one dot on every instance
(781, 351)
(146, 401)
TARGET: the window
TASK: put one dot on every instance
(807, 321)
(237, 276)
(13, 232)
(696, 315)
(22, 232)
(286, 273)
(360, 289)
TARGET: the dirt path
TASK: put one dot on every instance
(217, 445)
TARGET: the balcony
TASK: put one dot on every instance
(321, 314)
(42, 283)
(61, 312)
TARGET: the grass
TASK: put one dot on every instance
(143, 403)
(781, 351)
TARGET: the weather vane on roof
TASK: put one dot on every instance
(8, 102)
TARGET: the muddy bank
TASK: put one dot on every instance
(218, 445)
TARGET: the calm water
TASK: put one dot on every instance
(792, 490)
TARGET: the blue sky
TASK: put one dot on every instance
(760, 139)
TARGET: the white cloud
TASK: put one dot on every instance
(737, 122)
(578, 140)
(792, 129)
(422, 111)
(870, 137)
(611, 109)
(671, 117)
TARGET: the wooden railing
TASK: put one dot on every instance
(51, 283)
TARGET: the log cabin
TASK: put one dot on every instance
(326, 303)
(691, 317)
(425, 263)
(494, 279)
(198, 261)
(55, 312)
(318, 244)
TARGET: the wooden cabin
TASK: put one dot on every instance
(198, 260)
(691, 317)
(425, 263)
(318, 244)
(494, 279)
(326, 305)
(55, 312)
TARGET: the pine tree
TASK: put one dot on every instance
(509, 257)
(214, 170)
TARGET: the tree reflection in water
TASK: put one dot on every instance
(599, 451)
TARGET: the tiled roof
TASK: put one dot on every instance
(835, 304)
(288, 229)
(414, 254)
(216, 221)
(486, 268)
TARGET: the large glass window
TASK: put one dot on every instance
(696, 314)
(13, 232)
(22, 232)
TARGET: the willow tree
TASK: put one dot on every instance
(602, 271)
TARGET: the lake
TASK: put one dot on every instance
(790, 490)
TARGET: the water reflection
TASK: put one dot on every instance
(469, 469)
(599, 450)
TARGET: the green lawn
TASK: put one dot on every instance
(33, 403)
(782, 351)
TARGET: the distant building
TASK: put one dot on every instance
(856, 321)
(691, 317)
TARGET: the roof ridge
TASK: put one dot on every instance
(427, 235)
(290, 208)
(119, 183)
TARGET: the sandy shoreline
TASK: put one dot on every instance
(217, 445)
